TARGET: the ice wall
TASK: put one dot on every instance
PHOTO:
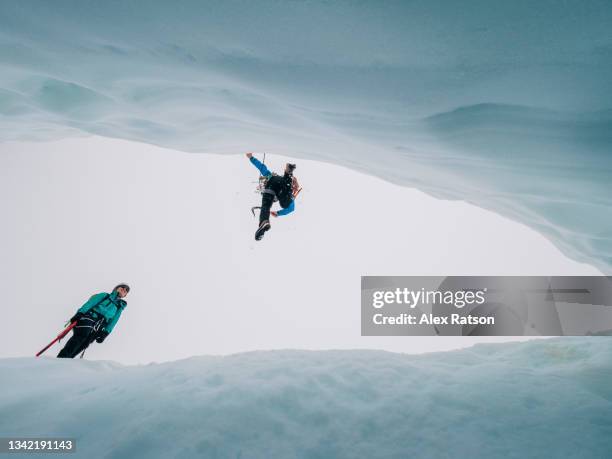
(507, 105)
(529, 400)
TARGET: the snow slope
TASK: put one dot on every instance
(536, 399)
(506, 105)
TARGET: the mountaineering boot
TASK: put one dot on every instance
(265, 226)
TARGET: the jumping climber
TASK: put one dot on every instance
(283, 188)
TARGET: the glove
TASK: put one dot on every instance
(76, 317)
(274, 214)
(102, 334)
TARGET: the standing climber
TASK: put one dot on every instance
(95, 320)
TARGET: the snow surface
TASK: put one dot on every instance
(539, 399)
(507, 105)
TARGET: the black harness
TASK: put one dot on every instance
(281, 187)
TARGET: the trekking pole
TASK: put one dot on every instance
(60, 336)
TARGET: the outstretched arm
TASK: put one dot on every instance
(287, 210)
(263, 170)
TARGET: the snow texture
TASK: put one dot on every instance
(536, 399)
(506, 105)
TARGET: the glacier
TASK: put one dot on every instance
(505, 105)
(543, 398)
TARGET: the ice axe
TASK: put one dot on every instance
(60, 336)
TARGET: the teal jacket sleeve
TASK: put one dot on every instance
(109, 327)
(263, 170)
(287, 210)
(95, 299)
